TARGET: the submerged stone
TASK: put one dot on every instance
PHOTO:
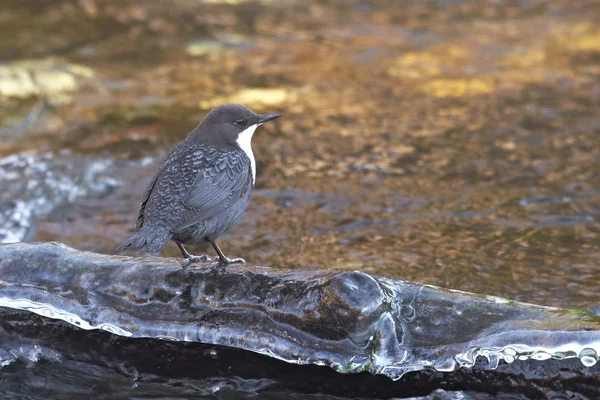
(349, 321)
(50, 78)
(255, 96)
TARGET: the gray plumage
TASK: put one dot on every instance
(203, 187)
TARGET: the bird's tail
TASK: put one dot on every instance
(149, 238)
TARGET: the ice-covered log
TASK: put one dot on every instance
(350, 321)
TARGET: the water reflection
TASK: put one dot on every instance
(452, 143)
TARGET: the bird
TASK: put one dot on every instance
(203, 187)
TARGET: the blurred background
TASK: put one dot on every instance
(449, 142)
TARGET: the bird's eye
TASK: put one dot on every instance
(240, 122)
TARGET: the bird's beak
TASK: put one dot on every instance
(262, 118)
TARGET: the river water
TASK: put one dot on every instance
(455, 143)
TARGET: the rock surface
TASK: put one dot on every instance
(350, 321)
(50, 78)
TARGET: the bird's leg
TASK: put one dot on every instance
(224, 260)
(189, 259)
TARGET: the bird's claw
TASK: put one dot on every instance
(186, 262)
(228, 261)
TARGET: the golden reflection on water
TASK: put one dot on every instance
(453, 143)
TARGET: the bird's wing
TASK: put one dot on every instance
(187, 153)
(140, 219)
(218, 186)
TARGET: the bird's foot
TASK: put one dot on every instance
(186, 262)
(227, 261)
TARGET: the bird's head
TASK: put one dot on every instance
(231, 124)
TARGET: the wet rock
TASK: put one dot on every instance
(51, 78)
(349, 321)
(232, 1)
(255, 96)
(34, 185)
(213, 47)
(204, 47)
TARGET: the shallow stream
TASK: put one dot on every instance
(447, 142)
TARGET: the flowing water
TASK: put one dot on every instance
(454, 143)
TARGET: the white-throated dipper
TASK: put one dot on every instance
(203, 187)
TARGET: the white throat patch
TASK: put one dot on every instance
(244, 141)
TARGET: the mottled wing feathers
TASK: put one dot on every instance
(217, 187)
(172, 181)
(140, 219)
(196, 182)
